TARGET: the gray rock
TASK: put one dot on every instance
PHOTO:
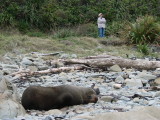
(9, 100)
(157, 71)
(119, 79)
(64, 56)
(53, 112)
(157, 81)
(10, 109)
(133, 83)
(117, 86)
(146, 76)
(151, 102)
(145, 113)
(125, 75)
(136, 100)
(26, 61)
(157, 94)
(7, 66)
(73, 56)
(115, 68)
(48, 118)
(32, 68)
(107, 98)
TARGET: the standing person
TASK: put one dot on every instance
(101, 25)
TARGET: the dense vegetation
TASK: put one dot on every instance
(48, 14)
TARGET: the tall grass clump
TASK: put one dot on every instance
(143, 48)
(88, 29)
(144, 30)
(63, 33)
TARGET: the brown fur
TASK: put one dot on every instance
(45, 98)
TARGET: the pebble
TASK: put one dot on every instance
(107, 98)
(117, 86)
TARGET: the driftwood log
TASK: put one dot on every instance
(92, 62)
(107, 61)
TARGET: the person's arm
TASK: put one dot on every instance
(100, 21)
(103, 20)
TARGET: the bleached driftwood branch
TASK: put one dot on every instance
(107, 61)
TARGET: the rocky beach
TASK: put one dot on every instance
(120, 89)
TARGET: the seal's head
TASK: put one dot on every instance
(90, 96)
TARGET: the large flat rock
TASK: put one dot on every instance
(144, 113)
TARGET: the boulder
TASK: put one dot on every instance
(146, 76)
(9, 100)
(144, 113)
(134, 82)
(10, 109)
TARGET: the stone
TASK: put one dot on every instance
(3, 85)
(9, 100)
(10, 109)
(26, 61)
(125, 75)
(73, 56)
(64, 56)
(48, 118)
(82, 117)
(157, 94)
(144, 113)
(115, 68)
(7, 66)
(117, 86)
(32, 68)
(133, 83)
(119, 79)
(54, 112)
(157, 81)
(151, 102)
(146, 76)
(136, 100)
(107, 98)
(157, 71)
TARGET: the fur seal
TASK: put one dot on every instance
(45, 98)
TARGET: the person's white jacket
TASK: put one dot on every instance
(101, 22)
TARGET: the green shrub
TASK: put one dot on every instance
(114, 28)
(143, 48)
(144, 30)
(6, 19)
(23, 26)
(50, 14)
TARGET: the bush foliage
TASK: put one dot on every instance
(145, 30)
(49, 14)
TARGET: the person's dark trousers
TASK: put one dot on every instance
(101, 32)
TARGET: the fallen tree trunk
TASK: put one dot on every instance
(104, 62)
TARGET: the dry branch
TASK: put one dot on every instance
(24, 73)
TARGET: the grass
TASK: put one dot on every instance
(82, 46)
